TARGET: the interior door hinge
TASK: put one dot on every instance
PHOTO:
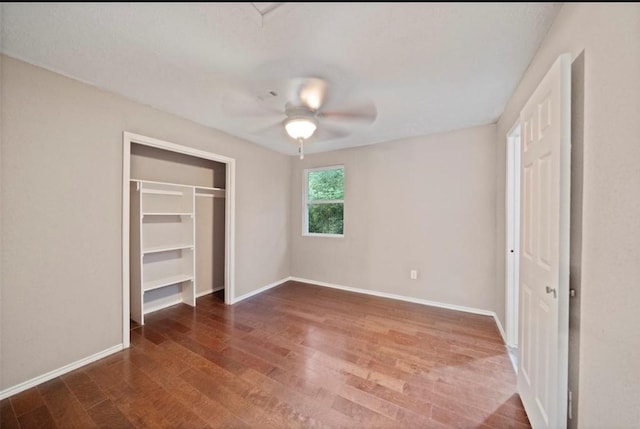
(570, 405)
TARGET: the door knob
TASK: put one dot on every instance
(550, 290)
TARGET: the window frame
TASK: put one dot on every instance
(305, 201)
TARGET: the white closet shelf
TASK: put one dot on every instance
(166, 214)
(166, 281)
(153, 182)
(161, 192)
(197, 187)
(157, 249)
(207, 188)
(199, 194)
(210, 192)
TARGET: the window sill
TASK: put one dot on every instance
(323, 235)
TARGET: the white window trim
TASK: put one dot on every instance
(305, 202)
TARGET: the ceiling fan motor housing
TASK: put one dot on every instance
(299, 112)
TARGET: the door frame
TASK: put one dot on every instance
(512, 236)
(229, 263)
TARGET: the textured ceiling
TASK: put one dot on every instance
(428, 67)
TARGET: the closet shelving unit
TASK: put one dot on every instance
(163, 245)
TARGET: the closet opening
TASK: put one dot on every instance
(178, 218)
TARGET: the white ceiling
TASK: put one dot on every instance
(428, 67)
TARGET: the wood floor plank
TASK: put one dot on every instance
(159, 401)
(8, 419)
(26, 401)
(84, 389)
(297, 356)
(151, 334)
(39, 418)
(453, 419)
(238, 404)
(287, 404)
(131, 393)
(209, 410)
(106, 415)
(416, 405)
(63, 405)
(314, 413)
(361, 416)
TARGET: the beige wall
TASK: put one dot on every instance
(61, 218)
(608, 268)
(424, 203)
(150, 163)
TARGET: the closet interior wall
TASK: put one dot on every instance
(210, 233)
(158, 165)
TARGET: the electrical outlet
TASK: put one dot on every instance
(413, 274)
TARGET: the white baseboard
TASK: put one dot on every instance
(262, 289)
(204, 292)
(208, 291)
(58, 372)
(398, 297)
(500, 328)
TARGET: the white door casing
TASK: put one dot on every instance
(512, 217)
(544, 249)
(129, 138)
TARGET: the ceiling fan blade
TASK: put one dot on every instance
(238, 104)
(309, 91)
(273, 130)
(363, 113)
(328, 132)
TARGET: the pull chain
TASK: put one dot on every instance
(301, 148)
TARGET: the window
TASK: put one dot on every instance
(324, 201)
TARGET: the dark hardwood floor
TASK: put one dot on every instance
(294, 356)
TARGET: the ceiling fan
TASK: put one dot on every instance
(305, 111)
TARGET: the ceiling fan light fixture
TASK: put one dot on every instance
(300, 128)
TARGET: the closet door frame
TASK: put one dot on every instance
(229, 263)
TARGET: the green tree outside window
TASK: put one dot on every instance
(325, 201)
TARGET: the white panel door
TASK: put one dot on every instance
(544, 249)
